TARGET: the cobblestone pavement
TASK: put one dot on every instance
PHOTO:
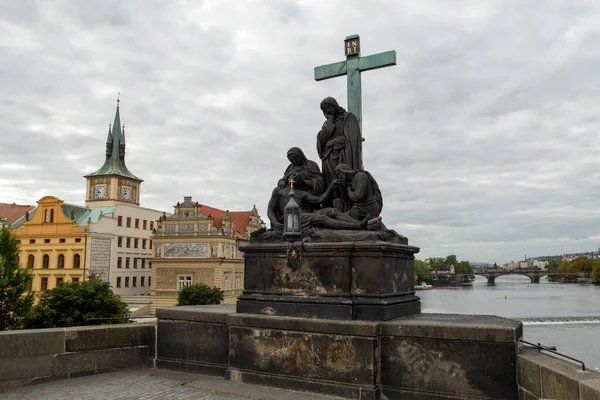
(149, 383)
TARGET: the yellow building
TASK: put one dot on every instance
(109, 238)
(53, 242)
(199, 244)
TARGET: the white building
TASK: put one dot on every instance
(120, 246)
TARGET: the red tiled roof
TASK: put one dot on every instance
(13, 212)
(240, 219)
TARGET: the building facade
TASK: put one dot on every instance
(53, 239)
(199, 244)
(11, 212)
(110, 237)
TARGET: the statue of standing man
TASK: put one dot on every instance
(339, 141)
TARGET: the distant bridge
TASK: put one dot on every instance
(533, 274)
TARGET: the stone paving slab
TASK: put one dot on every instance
(151, 383)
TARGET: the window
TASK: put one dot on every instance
(30, 261)
(119, 221)
(184, 281)
(46, 261)
(238, 282)
(126, 262)
(126, 281)
(151, 225)
(135, 262)
(129, 222)
(46, 240)
(77, 240)
(119, 281)
(134, 282)
(76, 260)
(75, 280)
(119, 262)
(149, 265)
(46, 216)
(128, 242)
(31, 241)
(119, 241)
(150, 243)
(59, 281)
(137, 223)
(143, 243)
(52, 215)
(149, 280)
(44, 283)
(61, 240)
(226, 282)
(145, 225)
(142, 279)
(61, 261)
(135, 243)
(143, 263)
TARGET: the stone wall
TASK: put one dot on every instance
(32, 355)
(541, 376)
(424, 357)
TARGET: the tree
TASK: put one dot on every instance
(581, 264)
(450, 260)
(596, 271)
(74, 303)
(422, 271)
(437, 264)
(200, 294)
(15, 281)
(463, 267)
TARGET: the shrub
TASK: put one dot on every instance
(74, 303)
(200, 294)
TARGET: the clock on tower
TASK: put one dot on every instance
(126, 193)
(100, 192)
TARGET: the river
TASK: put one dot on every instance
(555, 314)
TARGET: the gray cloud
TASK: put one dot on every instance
(484, 138)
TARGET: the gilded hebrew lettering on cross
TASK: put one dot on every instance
(352, 67)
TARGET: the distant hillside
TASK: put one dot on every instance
(481, 265)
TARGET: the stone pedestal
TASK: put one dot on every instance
(424, 357)
(369, 280)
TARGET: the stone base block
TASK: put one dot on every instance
(425, 357)
(362, 280)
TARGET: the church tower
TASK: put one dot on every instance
(113, 183)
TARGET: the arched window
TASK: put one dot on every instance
(30, 261)
(46, 261)
(46, 215)
(52, 215)
(61, 261)
(76, 261)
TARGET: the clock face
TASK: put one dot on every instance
(126, 193)
(100, 191)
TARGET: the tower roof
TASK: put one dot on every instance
(114, 164)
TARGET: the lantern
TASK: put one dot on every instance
(291, 218)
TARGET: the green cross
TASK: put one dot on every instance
(352, 67)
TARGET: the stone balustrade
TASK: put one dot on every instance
(32, 355)
(541, 376)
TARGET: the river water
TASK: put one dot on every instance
(554, 314)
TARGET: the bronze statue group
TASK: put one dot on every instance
(344, 195)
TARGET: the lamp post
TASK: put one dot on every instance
(291, 217)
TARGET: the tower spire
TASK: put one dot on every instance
(115, 149)
(109, 142)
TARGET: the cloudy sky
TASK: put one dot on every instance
(484, 139)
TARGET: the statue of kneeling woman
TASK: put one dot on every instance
(330, 218)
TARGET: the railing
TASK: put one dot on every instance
(552, 350)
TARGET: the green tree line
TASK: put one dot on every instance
(590, 268)
(423, 270)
